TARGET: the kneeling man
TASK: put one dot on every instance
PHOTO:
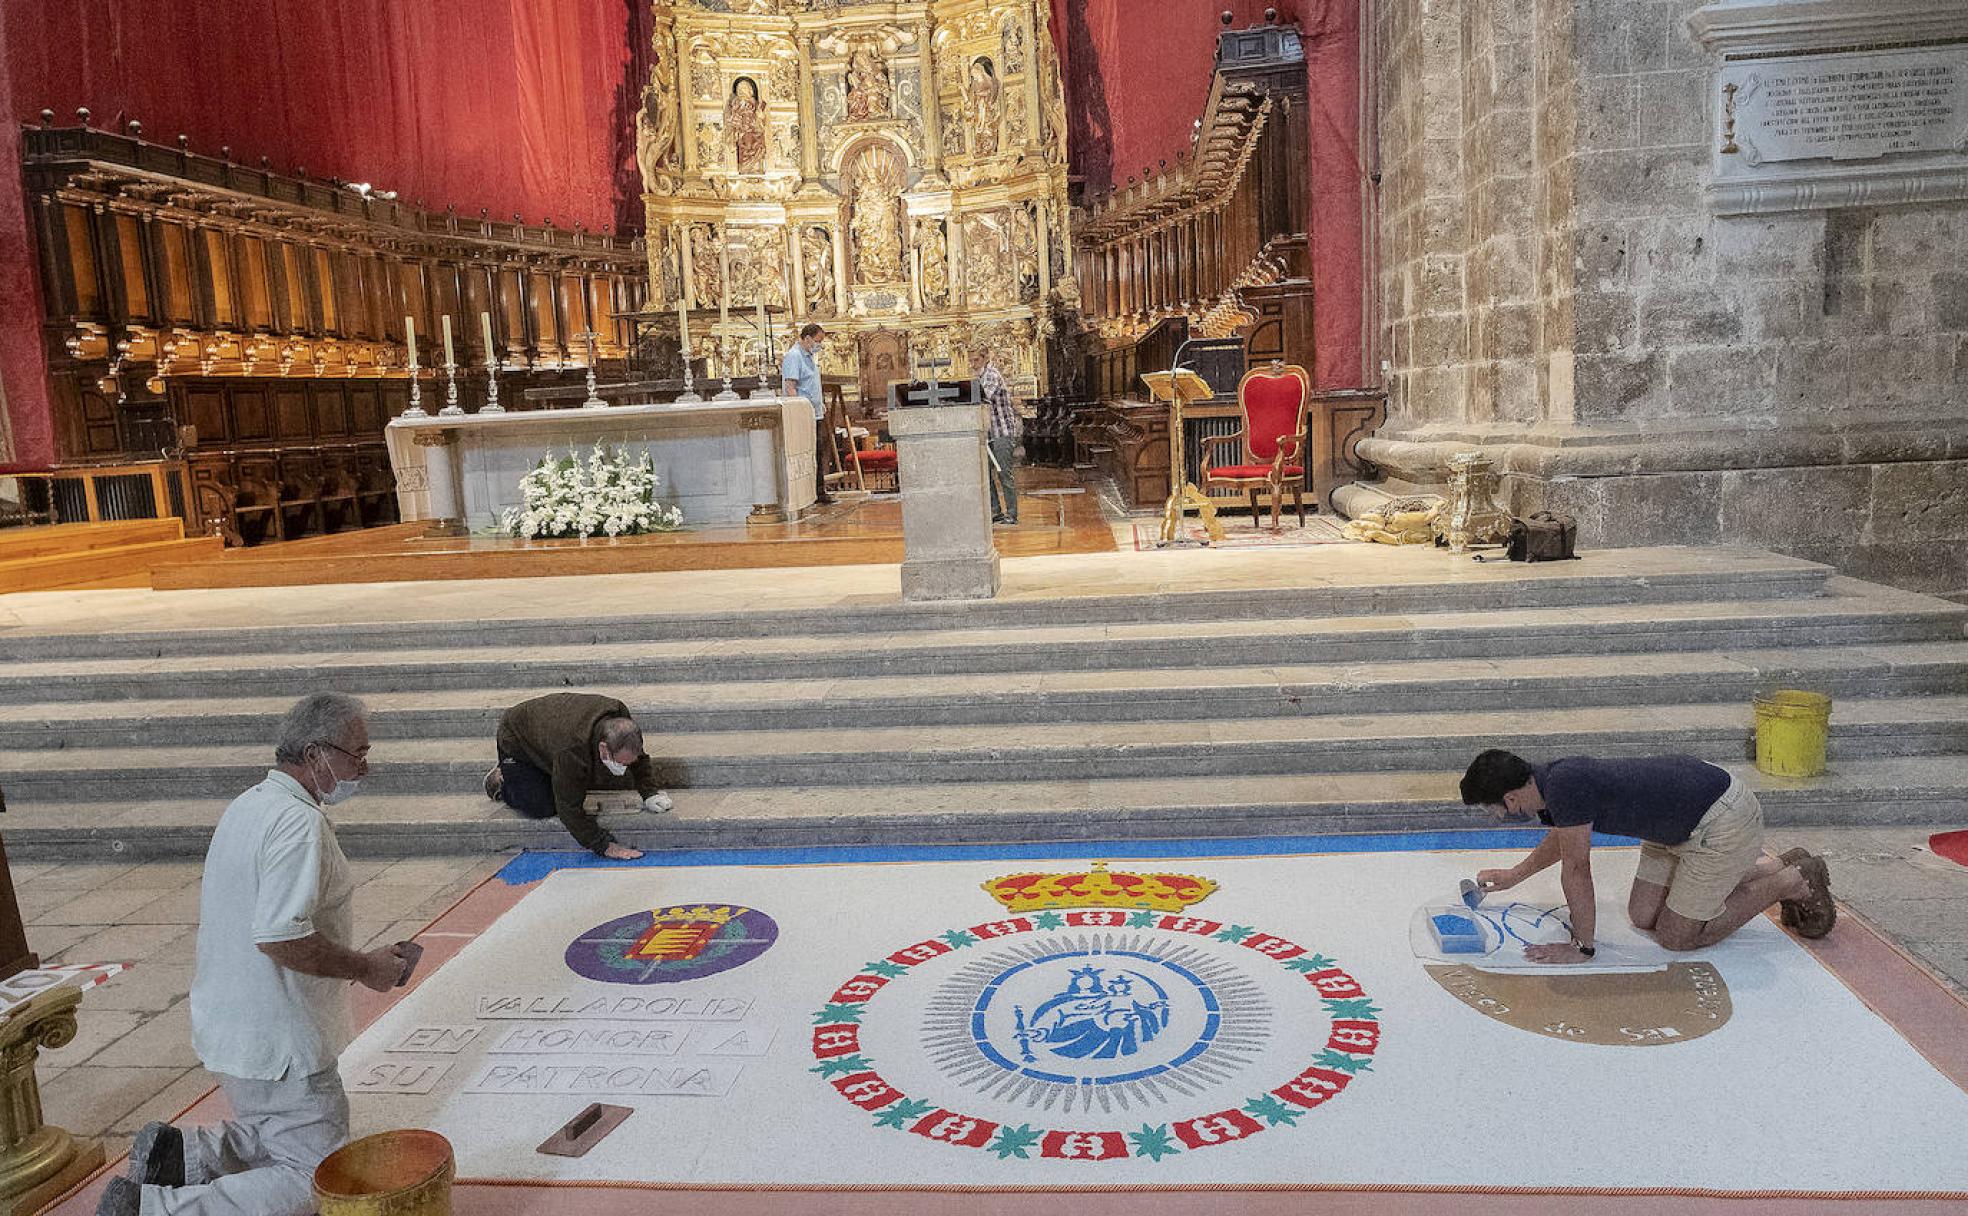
(554, 749)
(1702, 871)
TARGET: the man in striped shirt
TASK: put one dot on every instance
(996, 391)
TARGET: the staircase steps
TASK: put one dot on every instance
(1217, 712)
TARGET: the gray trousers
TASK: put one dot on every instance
(1004, 482)
(261, 1161)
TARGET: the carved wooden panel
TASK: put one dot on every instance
(205, 410)
(290, 412)
(330, 404)
(251, 420)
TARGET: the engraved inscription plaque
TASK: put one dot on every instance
(1818, 105)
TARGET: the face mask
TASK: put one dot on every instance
(343, 789)
(613, 768)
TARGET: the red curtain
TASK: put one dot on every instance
(502, 104)
(514, 106)
(1138, 77)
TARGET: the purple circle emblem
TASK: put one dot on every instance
(670, 945)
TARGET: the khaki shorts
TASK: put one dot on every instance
(1701, 871)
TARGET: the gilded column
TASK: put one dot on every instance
(932, 102)
(796, 260)
(1033, 102)
(840, 270)
(686, 263)
(809, 116)
(1042, 212)
(686, 92)
(959, 281)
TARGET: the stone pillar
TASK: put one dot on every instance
(946, 511)
(762, 428)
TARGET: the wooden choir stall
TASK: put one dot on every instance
(1212, 259)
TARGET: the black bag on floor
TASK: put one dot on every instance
(1544, 537)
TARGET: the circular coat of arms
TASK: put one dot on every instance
(1102, 1022)
(669, 945)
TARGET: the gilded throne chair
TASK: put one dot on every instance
(1272, 440)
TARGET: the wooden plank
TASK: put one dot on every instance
(19, 543)
(95, 566)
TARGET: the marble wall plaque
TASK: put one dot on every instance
(1816, 105)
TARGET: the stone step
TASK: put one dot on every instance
(914, 757)
(1023, 698)
(1592, 630)
(1861, 792)
(1666, 576)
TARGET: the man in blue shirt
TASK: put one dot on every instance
(1702, 872)
(800, 372)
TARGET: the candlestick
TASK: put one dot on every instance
(594, 401)
(416, 409)
(492, 362)
(690, 395)
(724, 365)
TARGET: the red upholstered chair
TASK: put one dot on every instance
(1273, 439)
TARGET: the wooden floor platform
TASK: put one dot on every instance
(856, 530)
(121, 553)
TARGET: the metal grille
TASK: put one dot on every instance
(71, 500)
(127, 496)
(1195, 430)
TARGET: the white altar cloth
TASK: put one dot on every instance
(718, 460)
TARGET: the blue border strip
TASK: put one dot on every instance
(532, 865)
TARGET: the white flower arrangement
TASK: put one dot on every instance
(608, 494)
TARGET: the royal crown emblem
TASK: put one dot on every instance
(1099, 888)
(681, 933)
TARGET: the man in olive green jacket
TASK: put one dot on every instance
(554, 749)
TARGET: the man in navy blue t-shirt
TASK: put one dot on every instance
(1702, 872)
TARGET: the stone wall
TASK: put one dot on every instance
(1559, 290)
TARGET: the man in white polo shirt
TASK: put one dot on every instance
(269, 999)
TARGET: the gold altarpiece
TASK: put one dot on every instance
(895, 171)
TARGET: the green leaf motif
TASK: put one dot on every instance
(907, 1111)
(833, 1014)
(959, 939)
(1352, 1007)
(1235, 933)
(1273, 1112)
(1306, 964)
(1142, 920)
(841, 1066)
(1049, 920)
(1153, 1143)
(1351, 1065)
(885, 969)
(1015, 1141)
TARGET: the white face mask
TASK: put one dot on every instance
(343, 789)
(613, 768)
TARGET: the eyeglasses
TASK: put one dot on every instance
(361, 757)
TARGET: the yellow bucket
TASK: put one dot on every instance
(400, 1173)
(1791, 729)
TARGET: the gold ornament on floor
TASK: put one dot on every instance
(1472, 517)
(1404, 521)
(37, 1162)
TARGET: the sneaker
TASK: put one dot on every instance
(157, 1156)
(495, 784)
(658, 803)
(121, 1197)
(1787, 909)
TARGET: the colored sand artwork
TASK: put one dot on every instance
(1211, 1021)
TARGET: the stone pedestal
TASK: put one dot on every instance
(946, 512)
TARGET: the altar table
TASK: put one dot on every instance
(723, 462)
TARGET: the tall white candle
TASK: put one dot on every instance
(485, 325)
(683, 325)
(448, 360)
(410, 337)
(765, 334)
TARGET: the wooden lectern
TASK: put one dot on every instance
(1179, 388)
